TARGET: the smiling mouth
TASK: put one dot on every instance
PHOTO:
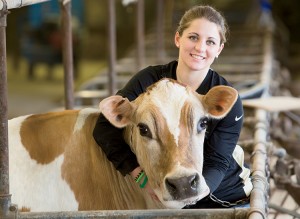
(198, 57)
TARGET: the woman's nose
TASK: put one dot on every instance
(200, 46)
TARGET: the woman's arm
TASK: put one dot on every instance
(220, 143)
(110, 138)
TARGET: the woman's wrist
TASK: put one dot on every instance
(136, 172)
(139, 177)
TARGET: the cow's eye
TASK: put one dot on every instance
(202, 124)
(144, 130)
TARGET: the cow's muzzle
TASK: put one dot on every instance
(183, 187)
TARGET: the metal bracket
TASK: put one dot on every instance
(7, 210)
(3, 14)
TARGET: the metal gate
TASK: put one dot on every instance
(258, 153)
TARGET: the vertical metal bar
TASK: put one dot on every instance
(160, 22)
(112, 46)
(258, 199)
(5, 197)
(66, 21)
(140, 38)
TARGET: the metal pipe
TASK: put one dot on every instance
(260, 171)
(293, 116)
(160, 51)
(140, 35)
(5, 197)
(112, 51)
(19, 3)
(284, 210)
(234, 213)
(66, 21)
(258, 198)
(267, 59)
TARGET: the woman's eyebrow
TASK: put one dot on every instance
(194, 33)
(191, 33)
(212, 38)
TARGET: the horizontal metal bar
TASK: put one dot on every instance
(284, 210)
(236, 213)
(19, 3)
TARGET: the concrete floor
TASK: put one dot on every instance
(41, 95)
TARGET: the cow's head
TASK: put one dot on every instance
(165, 128)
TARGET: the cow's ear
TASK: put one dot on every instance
(219, 100)
(117, 110)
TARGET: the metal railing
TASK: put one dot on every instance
(260, 171)
(10, 4)
(5, 197)
(259, 199)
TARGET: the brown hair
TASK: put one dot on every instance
(208, 13)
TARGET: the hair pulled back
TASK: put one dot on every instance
(208, 13)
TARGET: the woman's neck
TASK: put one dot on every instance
(191, 78)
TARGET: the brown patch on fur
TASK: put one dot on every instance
(151, 87)
(167, 148)
(170, 152)
(80, 166)
(186, 129)
(97, 185)
(45, 135)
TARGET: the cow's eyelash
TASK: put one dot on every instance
(144, 130)
(202, 124)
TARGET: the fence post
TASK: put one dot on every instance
(160, 24)
(112, 47)
(5, 197)
(140, 34)
(4, 168)
(67, 52)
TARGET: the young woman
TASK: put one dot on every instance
(200, 38)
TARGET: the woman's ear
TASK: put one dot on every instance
(177, 39)
(220, 49)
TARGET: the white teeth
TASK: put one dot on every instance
(197, 56)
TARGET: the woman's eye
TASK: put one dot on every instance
(193, 38)
(210, 42)
(202, 124)
(144, 130)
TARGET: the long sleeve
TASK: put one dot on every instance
(220, 143)
(110, 138)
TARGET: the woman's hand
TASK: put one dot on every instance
(147, 187)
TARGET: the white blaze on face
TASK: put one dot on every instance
(174, 101)
(170, 105)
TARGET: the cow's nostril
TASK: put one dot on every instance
(171, 186)
(183, 187)
(194, 181)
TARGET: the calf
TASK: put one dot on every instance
(55, 164)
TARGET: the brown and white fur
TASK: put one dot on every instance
(55, 164)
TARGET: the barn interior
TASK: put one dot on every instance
(144, 35)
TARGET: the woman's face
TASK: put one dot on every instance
(199, 45)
